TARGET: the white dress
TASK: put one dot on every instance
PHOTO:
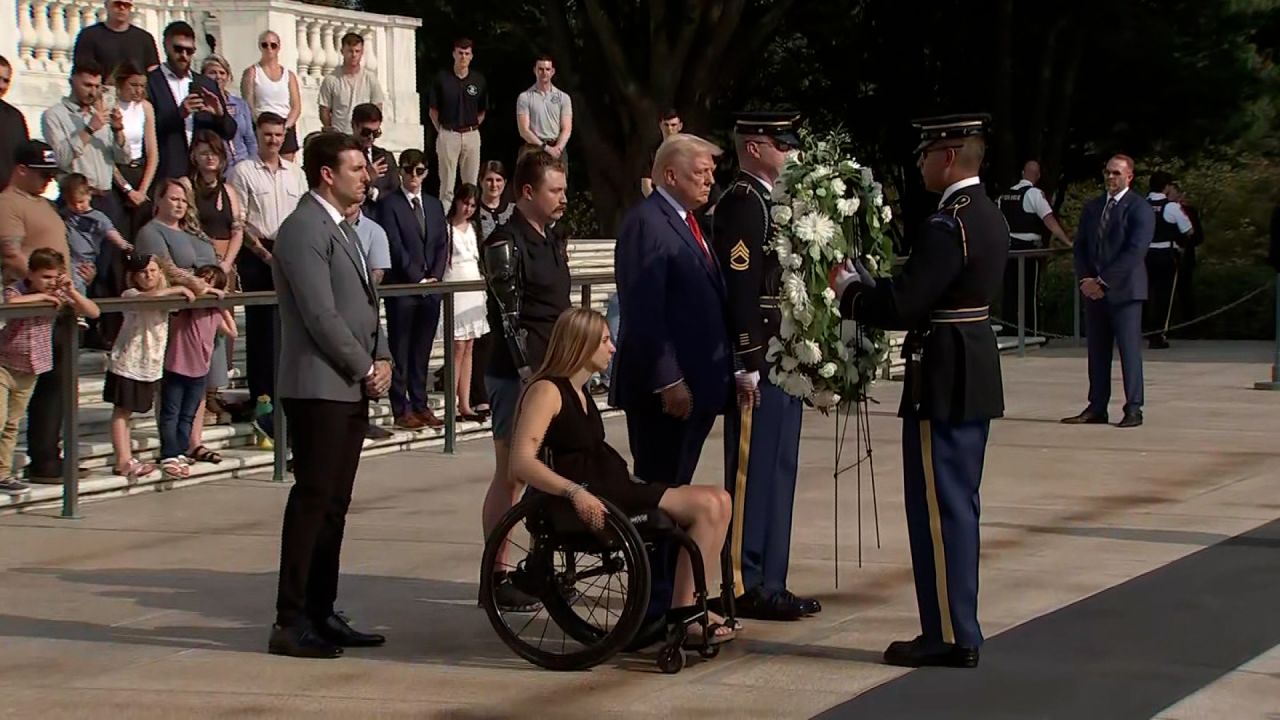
(469, 318)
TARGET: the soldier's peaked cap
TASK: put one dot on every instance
(951, 127)
(783, 125)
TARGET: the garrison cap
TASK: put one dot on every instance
(951, 127)
(781, 125)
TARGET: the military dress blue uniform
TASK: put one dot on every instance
(762, 443)
(952, 390)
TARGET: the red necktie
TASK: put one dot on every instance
(697, 235)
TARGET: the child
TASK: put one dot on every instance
(26, 347)
(87, 229)
(186, 365)
(137, 359)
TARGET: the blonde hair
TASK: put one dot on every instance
(681, 147)
(216, 59)
(574, 339)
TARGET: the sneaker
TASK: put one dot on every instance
(509, 598)
(13, 486)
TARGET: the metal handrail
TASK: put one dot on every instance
(68, 337)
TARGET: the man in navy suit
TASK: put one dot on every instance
(673, 372)
(418, 238)
(184, 102)
(1110, 248)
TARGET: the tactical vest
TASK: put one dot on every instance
(1020, 221)
(1166, 232)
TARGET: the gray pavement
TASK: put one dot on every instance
(158, 605)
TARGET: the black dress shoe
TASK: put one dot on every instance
(336, 630)
(1131, 419)
(756, 605)
(809, 606)
(1088, 417)
(377, 432)
(301, 641)
(922, 653)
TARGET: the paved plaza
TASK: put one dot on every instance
(1125, 574)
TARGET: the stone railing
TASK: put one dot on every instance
(39, 41)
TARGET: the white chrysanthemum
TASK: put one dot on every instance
(828, 295)
(774, 350)
(800, 207)
(803, 315)
(848, 166)
(827, 370)
(826, 399)
(794, 262)
(886, 213)
(782, 248)
(781, 214)
(838, 187)
(848, 206)
(796, 384)
(789, 363)
(816, 228)
(867, 177)
(808, 352)
(877, 199)
(787, 329)
(793, 289)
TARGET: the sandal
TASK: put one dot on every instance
(174, 469)
(696, 636)
(134, 469)
(204, 454)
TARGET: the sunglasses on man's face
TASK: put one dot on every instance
(370, 132)
(184, 50)
(419, 171)
(270, 46)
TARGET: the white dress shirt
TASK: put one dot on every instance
(338, 219)
(181, 88)
(1173, 213)
(956, 187)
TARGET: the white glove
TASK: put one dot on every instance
(747, 380)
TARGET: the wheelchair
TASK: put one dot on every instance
(592, 586)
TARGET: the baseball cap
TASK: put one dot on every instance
(35, 155)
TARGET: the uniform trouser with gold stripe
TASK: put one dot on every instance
(762, 448)
(942, 466)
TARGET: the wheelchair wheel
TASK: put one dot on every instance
(593, 586)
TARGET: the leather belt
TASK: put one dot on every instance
(962, 315)
(463, 128)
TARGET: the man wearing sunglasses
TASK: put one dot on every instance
(384, 176)
(184, 102)
(116, 40)
(762, 439)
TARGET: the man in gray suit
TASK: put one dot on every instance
(336, 356)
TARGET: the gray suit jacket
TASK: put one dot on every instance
(330, 332)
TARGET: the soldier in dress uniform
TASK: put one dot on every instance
(942, 297)
(762, 440)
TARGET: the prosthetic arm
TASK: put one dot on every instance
(501, 263)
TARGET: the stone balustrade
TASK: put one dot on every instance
(39, 42)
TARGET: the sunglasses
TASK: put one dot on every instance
(269, 46)
(370, 132)
(184, 50)
(118, 5)
(419, 171)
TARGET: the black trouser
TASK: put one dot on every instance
(1162, 274)
(259, 326)
(1030, 289)
(327, 437)
(44, 414)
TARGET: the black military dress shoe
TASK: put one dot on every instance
(808, 606)
(1088, 417)
(337, 630)
(926, 653)
(301, 641)
(757, 605)
(1132, 418)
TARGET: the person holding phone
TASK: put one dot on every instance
(184, 102)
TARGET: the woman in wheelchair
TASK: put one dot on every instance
(559, 423)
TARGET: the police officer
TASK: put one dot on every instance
(762, 440)
(1030, 218)
(952, 390)
(1173, 230)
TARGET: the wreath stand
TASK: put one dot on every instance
(858, 411)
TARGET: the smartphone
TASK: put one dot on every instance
(109, 99)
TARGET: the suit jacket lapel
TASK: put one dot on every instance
(349, 247)
(682, 228)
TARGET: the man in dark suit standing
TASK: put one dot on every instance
(418, 238)
(184, 102)
(384, 177)
(336, 357)
(673, 372)
(1111, 244)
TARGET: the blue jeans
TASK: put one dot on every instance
(180, 397)
(614, 319)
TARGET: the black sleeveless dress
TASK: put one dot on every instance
(576, 449)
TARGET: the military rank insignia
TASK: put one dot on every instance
(740, 256)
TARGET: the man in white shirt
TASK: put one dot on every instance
(544, 112)
(1164, 256)
(270, 188)
(350, 85)
(1030, 217)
